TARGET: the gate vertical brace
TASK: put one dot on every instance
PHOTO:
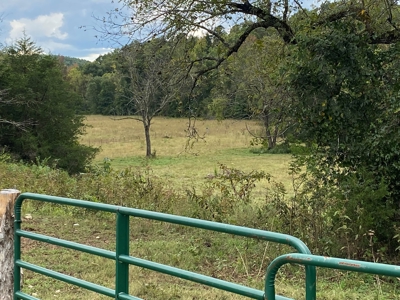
(311, 282)
(122, 248)
(17, 249)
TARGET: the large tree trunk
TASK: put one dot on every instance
(7, 198)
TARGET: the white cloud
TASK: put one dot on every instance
(95, 53)
(48, 26)
(90, 57)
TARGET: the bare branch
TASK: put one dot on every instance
(351, 11)
(23, 125)
(214, 33)
(301, 7)
(126, 118)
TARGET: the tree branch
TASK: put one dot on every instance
(388, 37)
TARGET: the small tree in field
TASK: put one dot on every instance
(150, 82)
(252, 85)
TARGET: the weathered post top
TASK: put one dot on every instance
(7, 196)
(7, 199)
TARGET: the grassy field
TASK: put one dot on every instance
(125, 138)
(176, 162)
(219, 255)
(226, 257)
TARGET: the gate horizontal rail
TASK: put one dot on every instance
(325, 262)
(123, 260)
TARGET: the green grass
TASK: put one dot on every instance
(171, 174)
(219, 255)
(192, 171)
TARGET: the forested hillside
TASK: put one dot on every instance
(71, 61)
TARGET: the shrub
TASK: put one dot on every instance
(346, 216)
(225, 191)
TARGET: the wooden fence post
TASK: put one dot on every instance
(7, 198)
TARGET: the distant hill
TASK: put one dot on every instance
(70, 61)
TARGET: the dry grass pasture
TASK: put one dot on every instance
(125, 138)
(179, 160)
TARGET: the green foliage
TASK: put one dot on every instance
(281, 148)
(42, 101)
(329, 222)
(343, 217)
(130, 187)
(226, 190)
(347, 98)
(299, 149)
(304, 211)
(359, 212)
(71, 61)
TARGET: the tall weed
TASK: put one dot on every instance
(130, 187)
(227, 190)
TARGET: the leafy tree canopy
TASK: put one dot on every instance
(71, 61)
(348, 101)
(39, 92)
(152, 18)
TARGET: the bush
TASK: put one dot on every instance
(130, 187)
(350, 217)
(226, 191)
(283, 148)
(346, 219)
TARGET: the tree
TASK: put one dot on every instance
(152, 79)
(348, 104)
(93, 89)
(38, 82)
(252, 85)
(79, 83)
(376, 20)
(98, 84)
(149, 18)
(5, 101)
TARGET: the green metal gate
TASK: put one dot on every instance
(123, 259)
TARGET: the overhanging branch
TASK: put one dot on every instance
(389, 37)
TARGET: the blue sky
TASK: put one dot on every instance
(56, 26)
(59, 27)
